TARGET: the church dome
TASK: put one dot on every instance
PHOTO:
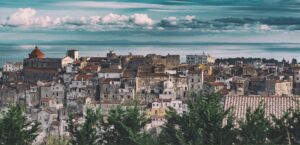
(36, 53)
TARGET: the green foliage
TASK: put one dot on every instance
(295, 125)
(54, 140)
(206, 123)
(15, 129)
(280, 132)
(254, 129)
(88, 133)
(126, 127)
(203, 124)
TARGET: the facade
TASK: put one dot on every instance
(195, 81)
(296, 82)
(249, 71)
(39, 68)
(169, 61)
(110, 73)
(283, 88)
(199, 59)
(81, 86)
(54, 90)
(168, 91)
(257, 86)
(12, 66)
(157, 111)
(239, 86)
(74, 54)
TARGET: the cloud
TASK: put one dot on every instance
(135, 19)
(168, 22)
(114, 19)
(264, 27)
(141, 19)
(190, 18)
(27, 17)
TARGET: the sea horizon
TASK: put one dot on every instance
(279, 51)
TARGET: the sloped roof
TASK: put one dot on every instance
(84, 77)
(276, 105)
(36, 53)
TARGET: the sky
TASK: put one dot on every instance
(222, 28)
(28, 22)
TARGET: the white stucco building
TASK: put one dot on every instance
(12, 66)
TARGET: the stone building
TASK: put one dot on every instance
(249, 71)
(12, 66)
(296, 81)
(199, 59)
(195, 80)
(257, 86)
(169, 61)
(279, 87)
(37, 67)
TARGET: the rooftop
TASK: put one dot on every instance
(36, 53)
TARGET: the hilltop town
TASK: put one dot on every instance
(51, 88)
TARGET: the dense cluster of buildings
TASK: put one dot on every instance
(50, 88)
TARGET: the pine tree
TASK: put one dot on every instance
(203, 124)
(281, 130)
(54, 140)
(254, 129)
(15, 129)
(294, 123)
(88, 133)
(125, 126)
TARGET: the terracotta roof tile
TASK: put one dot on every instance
(36, 53)
(275, 105)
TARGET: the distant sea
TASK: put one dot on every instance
(9, 52)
